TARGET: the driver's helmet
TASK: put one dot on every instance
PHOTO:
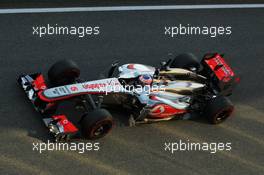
(145, 79)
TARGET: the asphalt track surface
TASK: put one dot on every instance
(133, 37)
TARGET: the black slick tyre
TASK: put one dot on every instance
(218, 110)
(96, 124)
(63, 72)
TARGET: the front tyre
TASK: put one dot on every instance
(218, 109)
(96, 124)
(63, 72)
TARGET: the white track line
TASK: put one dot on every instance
(129, 8)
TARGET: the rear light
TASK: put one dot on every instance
(226, 79)
(237, 79)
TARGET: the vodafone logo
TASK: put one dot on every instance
(74, 88)
(65, 121)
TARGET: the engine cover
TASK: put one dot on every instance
(134, 70)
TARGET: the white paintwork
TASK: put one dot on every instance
(103, 86)
(129, 8)
(139, 69)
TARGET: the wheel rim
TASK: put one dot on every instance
(99, 131)
(102, 129)
(222, 115)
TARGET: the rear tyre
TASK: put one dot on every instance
(218, 110)
(96, 124)
(186, 61)
(63, 72)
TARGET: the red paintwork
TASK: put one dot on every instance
(165, 111)
(225, 73)
(153, 97)
(237, 80)
(74, 88)
(39, 83)
(130, 66)
(67, 125)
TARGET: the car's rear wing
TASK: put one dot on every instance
(221, 74)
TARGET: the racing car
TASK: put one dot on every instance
(178, 88)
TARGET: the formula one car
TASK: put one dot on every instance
(178, 88)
